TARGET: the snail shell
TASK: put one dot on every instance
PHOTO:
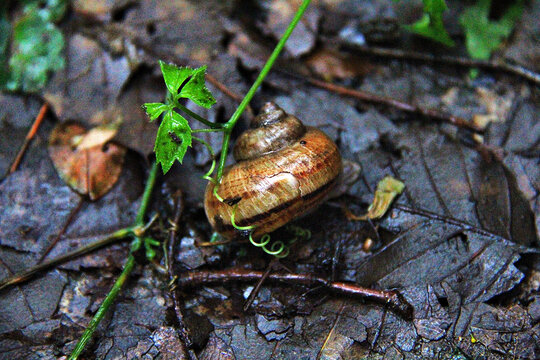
(284, 169)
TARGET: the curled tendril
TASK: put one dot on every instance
(278, 248)
(265, 239)
(220, 199)
(241, 228)
(208, 175)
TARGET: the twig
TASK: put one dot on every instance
(182, 330)
(257, 287)
(28, 274)
(402, 106)
(62, 231)
(392, 298)
(516, 70)
(31, 133)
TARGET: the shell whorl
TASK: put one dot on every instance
(283, 170)
(271, 130)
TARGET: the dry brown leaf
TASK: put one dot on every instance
(387, 190)
(97, 136)
(330, 65)
(89, 171)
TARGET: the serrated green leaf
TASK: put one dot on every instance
(174, 76)
(431, 24)
(173, 139)
(196, 90)
(483, 35)
(154, 110)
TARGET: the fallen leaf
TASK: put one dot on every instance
(387, 190)
(91, 81)
(97, 136)
(330, 65)
(89, 171)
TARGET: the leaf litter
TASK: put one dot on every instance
(476, 220)
(86, 160)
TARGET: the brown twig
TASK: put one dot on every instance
(28, 274)
(31, 133)
(257, 287)
(62, 231)
(516, 70)
(392, 298)
(402, 106)
(182, 330)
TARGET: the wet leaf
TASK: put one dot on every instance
(97, 136)
(90, 83)
(332, 65)
(387, 190)
(456, 263)
(217, 349)
(89, 171)
(522, 47)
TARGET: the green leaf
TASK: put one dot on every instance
(36, 46)
(174, 76)
(48, 10)
(173, 139)
(174, 133)
(154, 110)
(196, 90)
(483, 35)
(194, 83)
(431, 24)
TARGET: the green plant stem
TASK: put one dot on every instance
(21, 277)
(128, 267)
(197, 116)
(229, 125)
(111, 296)
(206, 130)
(139, 220)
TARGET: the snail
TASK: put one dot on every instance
(283, 170)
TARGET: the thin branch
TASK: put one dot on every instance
(377, 99)
(62, 231)
(171, 246)
(31, 133)
(392, 298)
(257, 287)
(28, 274)
(516, 70)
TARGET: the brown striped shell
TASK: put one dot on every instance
(284, 169)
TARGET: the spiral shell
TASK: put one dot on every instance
(284, 169)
